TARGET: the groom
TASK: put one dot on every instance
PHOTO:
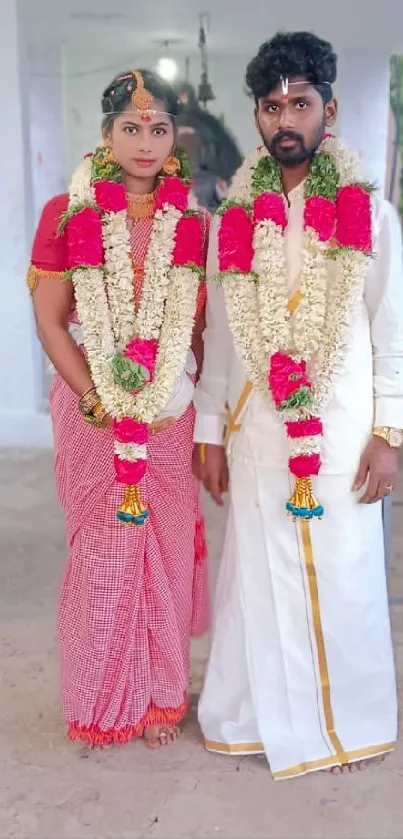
(303, 365)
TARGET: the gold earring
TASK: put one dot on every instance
(171, 166)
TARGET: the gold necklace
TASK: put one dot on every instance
(140, 206)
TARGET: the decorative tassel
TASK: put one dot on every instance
(303, 504)
(132, 511)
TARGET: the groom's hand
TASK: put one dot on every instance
(378, 465)
(210, 466)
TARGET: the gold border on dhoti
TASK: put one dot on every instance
(328, 762)
(234, 748)
(320, 642)
(301, 768)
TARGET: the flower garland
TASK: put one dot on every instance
(134, 356)
(277, 348)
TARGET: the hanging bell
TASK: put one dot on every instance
(303, 504)
(132, 511)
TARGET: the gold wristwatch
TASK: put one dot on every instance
(392, 436)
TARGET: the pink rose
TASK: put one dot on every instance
(84, 239)
(189, 241)
(235, 241)
(305, 428)
(269, 206)
(143, 352)
(110, 196)
(128, 472)
(174, 192)
(354, 223)
(286, 376)
(320, 215)
(129, 430)
(305, 465)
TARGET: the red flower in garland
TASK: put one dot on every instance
(128, 430)
(354, 224)
(110, 196)
(235, 241)
(305, 428)
(189, 241)
(143, 352)
(286, 376)
(305, 465)
(84, 237)
(173, 191)
(320, 215)
(269, 206)
(129, 472)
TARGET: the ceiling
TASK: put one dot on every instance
(237, 26)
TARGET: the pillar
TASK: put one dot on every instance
(24, 420)
(48, 139)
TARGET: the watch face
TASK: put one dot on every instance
(396, 438)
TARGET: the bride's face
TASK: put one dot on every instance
(142, 143)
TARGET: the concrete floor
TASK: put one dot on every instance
(50, 788)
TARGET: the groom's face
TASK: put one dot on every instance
(292, 125)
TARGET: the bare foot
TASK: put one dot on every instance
(160, 735)
(357, 766)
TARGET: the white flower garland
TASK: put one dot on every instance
(243, 318)
(270, 266)
(106, 307)
(318, 331)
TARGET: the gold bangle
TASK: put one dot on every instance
(99, 413)
(88, 401)
(202, 453)
(98, 409)
(91, 389)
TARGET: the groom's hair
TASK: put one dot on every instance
(290, 55)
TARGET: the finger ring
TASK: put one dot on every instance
(389, 489)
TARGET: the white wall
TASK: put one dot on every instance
(47, 107)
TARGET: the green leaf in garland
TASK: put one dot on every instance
(129, 375)
(266, 176)
(233, 276)
(103, 168)
(185, 172)
(229, 204)
(323, 177)
(196, 269)
(368, 186)
(73, 211)
(301, 398)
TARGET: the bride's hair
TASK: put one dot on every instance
(119, 92)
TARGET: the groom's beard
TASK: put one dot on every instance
(296, 152)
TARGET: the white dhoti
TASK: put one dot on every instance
(301, 665)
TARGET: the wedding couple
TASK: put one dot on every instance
(281, 378)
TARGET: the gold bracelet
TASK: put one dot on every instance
(202, 453)
(88, 401)
(99, 413)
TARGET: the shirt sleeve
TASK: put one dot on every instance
(49, 251)
(384, 300)
(212, 390)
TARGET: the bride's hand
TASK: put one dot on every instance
(161, 425)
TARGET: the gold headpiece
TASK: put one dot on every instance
(142, 99)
